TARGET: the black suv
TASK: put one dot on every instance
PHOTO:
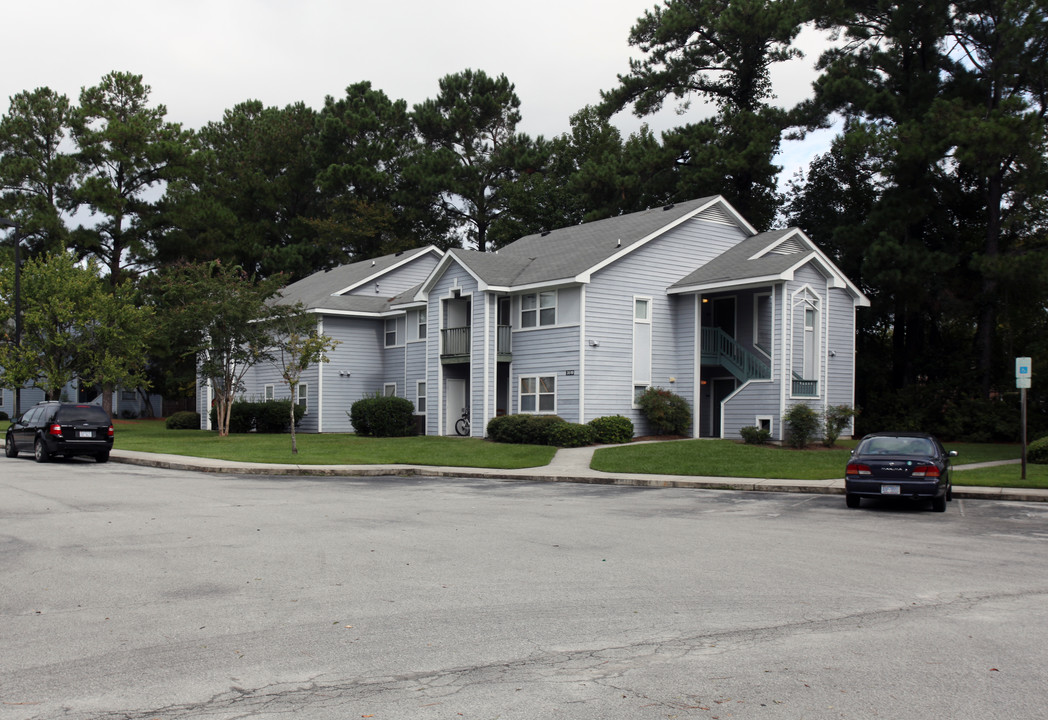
(68, 429)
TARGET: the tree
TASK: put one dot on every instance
(75, 325)
(470, 127)
(225, 318)
(126, 154)
(36, 170)
(721, 51)
(374, 200)
(297, 345)
(252, 195)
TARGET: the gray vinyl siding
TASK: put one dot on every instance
(840, 369)
(548, 351)
(361, 355)
(647, 272)
(394, 368)
(414, 370)
(455, 276)
(399, 279)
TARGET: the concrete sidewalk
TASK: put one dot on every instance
(568, 465)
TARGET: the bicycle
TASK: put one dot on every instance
(462, 424)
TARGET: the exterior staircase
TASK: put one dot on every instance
(719, 348)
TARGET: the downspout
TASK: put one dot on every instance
(697, 369)
(487, 364)
(320, 381)
(582, 354)
(785, 369)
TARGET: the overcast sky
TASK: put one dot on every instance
(202, 57)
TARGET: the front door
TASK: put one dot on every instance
(454, 403)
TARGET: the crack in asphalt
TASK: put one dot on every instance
(606, 667)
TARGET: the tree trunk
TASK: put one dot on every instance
(294, 441)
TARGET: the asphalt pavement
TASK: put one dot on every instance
(568, 465)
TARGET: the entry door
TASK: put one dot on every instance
(720, 313)
(454, 402)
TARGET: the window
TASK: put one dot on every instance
(641, 310)
(127, 396)
(391, 332)
(762, 314)
(420, 399)
(638, 390)
(764, 423)
(421, 324)
(538, 394)
(267, 392)
(303, 397)
(538, 309)
(389, 389)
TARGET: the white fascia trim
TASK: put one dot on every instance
(725, 284)
(585, 277)
(440, 269)
(359, 313)
(394, 266)
(791, 232)
(545, 285)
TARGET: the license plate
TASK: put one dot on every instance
(889, 489)
(85, 434)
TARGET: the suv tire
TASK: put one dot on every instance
(40, 452)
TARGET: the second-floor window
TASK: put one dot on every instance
(391, 332)
(538, 309)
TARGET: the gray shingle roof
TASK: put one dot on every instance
(317, 291)
(568, 252)
(735, 264)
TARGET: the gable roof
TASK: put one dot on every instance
(329, 290)
(768, 257)
(572, 254)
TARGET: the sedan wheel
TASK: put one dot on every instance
(9, 447)
(939, 504)
(40, 452)
(852, 501)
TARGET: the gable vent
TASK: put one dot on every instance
(717, 214)
(790, 247)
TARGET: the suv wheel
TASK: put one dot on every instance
(102, 457)
(9, 447)
(40, 452)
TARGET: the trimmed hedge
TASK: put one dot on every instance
(753, 435)
(569, 435)
(269, 416)
(801, 423)
(612, 429)
(184, 420)
(383, 416)
(523, 429)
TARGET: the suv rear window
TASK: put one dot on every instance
(82, 414)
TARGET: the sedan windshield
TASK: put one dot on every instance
(897, 446)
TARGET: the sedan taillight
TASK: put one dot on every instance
(925, 471)
(55, 430)
(857, 469)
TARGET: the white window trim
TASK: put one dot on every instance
(803, 298)
(386, 387)
(537, 394)
(269, 392)
(771, 423)
(385, 333)
(538, 310)
(420, 392)
(633, 399)
(421, 325)
(756, 324)
(303, 397)
(648, 300)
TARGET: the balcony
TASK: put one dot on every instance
(455, 344)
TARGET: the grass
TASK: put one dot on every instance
(328, 449)
(717, 458)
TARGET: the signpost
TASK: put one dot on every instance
(1023, 380)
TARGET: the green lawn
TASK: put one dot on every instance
(718, 458)
(328, 449)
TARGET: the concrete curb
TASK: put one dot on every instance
(548, 473)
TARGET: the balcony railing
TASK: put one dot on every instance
(455, 342)
(805, 388)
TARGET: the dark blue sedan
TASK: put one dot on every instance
(899, 465)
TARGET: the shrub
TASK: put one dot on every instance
(835, 420)
(800, 422)
(4, 416)
(270, 416)
(185, 420)
(669, 414)
(753, 435)
(569, 435)
(383, 416)
(612, 429)
(1037, 452)
(523, 429)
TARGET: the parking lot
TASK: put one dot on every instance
(142, 593)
